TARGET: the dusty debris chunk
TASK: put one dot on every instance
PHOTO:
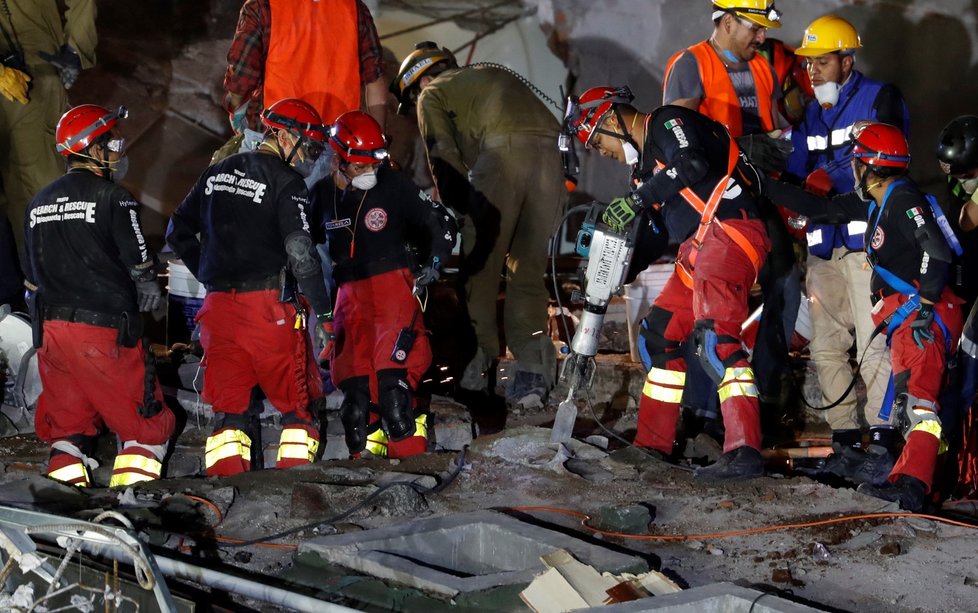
(634, 519)
(891, 549)
(783, 575)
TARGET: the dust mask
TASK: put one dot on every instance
(827, 94)
(970, 185)
(365, 181)
(121, 167)
(631, 153)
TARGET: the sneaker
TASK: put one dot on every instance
(906, 490)
(741, 463)
(875, 467)
(527, 389)
(475, 377)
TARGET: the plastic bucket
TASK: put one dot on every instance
(186, 297)
(639, 296)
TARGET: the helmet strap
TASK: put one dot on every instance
(625, 135)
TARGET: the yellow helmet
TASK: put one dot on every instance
(828, 34)
(761, 12)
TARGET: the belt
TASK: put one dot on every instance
(251, 285)
(84, 316)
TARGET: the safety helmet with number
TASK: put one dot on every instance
(426, 56)
(880, 145)
(828, 34)
(761, 12)
(358, 138)
(584, 114)
(296, 116)
(957, 148)
(80, 126)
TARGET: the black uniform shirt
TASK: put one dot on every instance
(83, 237)
(684, 140)
(368, 230)
(244, 207)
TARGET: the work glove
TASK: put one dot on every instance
(620, 212)
(819, 182)
(148, 295)
(921, 325)
(13, 84)
(67, 62)
(326, 336)
(428, 275)
(768, 154)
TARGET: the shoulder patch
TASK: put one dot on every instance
(673, 123)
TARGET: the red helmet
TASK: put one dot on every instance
(296, 116)
(81, 125)
(583, 115)
(358, 139)
(880, 144)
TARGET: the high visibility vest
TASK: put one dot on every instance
(314, 55)
(720, 100)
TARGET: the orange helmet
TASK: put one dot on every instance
(81, 125)
(584, 114)
(358, 139)
(295, 116)
(880, 145)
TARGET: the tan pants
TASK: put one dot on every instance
(840, 310)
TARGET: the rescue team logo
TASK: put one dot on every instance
(916, 214)
(676, 125)
(63, 210)
(375, 219)
(879, 237)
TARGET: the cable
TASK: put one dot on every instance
(536, 90)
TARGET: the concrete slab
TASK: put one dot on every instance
(714, 598)
(462, 553)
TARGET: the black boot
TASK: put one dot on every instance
(741, 463)
(875, 467)
(908, 491)
(844, 462)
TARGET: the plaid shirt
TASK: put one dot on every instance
(246, 57)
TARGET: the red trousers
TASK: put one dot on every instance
(88, 380)
(722, 280)
(924, 371)
(249, 339)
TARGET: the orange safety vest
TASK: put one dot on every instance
(314, 55)
(720, 100)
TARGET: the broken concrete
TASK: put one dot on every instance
(716, 598)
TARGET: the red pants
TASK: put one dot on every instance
(249, 339)
(88, 380)
(722, 280)
(923, 371)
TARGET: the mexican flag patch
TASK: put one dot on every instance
(673, 123)
(911, 213)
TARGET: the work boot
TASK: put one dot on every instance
(741, 463)
(908, 491)
(527, 389)
(875, 467)
(844, 462)
(474, 377)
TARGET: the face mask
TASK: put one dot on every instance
(120, 168)
(731, 57)
(365, 181)
(827, 94)
(970, 185)
(631, 153)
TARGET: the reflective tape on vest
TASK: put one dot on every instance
(856, 228)
(819, 142)
(227, 444)
(297, 444)
(131, 468)
(737, 381)
(73, 474)
(665, 385)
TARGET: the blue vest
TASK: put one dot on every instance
(821, 140)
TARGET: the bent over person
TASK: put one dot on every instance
(90, 274)
(251, 213)
(382, 348)
(687, 164)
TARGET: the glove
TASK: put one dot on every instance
(620, 212)
(429, 274)
(768, 154)
(819, 182)
(67, 62)
(239, 118)
(326, 336)
(148, 295)
(921, 325)
(13, 84)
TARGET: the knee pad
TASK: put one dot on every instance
(354, 412)
(396, 400)
(705, 338)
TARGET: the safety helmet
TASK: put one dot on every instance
(827, 34)
(880, 144)
(957, 148)
(425, 56)
(761, 12)
(583, 114)
(295, 116)
(358, 138)
(81, 125)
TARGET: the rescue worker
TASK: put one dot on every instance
(90, 274)
(910, 254)
(688, 165)
(727, 79)
(838, 279)
(490, 145)
(253, 324)
(382, 347)
(42, 52)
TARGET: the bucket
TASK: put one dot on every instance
(186, 297)
(639, 296)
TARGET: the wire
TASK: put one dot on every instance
(539, 92)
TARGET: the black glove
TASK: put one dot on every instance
(429, 274)
(148, 295)
(921, 325)
(67, 62)
(768, 154)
